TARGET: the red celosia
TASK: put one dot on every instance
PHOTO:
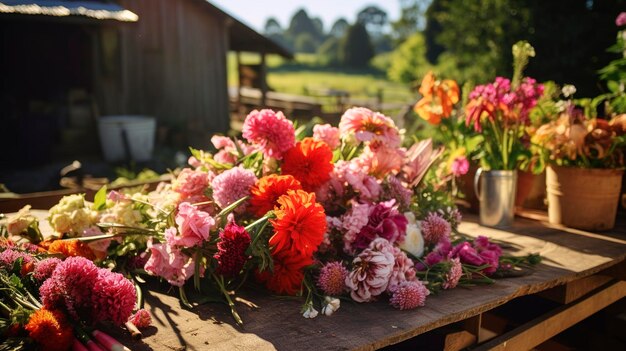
(231, 249)
(268, 189)
(49, 328)
(300, 223)
(310, 162)
(288, 272)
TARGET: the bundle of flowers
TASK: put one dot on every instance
(346, 211)
(50, 303)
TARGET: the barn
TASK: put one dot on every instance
(64, 63)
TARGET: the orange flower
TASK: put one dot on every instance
(50, 330)
(71, 248)
(300, 223)
(310, 162)
(288, 273)
(438, 98)
(268, 189)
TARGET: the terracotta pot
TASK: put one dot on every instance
(525, 182)
(466, 185)
(583, 198)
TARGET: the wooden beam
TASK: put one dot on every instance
(238, 56)
(547, 326)
(574, 290)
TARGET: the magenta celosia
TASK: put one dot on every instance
(113, 298)
(141, 318)
(271, 131)
(435, 228)
(409, 295)
(328, 134)
(194, 226)
(231, 250)
(454, 274)
(371, 271)
(44, 268)
(190, 182)
(332, 278)
(232, 185)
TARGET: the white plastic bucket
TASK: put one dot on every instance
(139, 132)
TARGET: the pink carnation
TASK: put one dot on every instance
(403, 270)
(328, 134)
(141, 318)
(454, 274)
(194, 226)
(113, 298)
(232, 185)
(409, 295)
(231, 249)
(371, 127)
(271, 131)
(435, 228)
(190, 182)
(169, 263)
(332, 278)
(621, 19)
(371, 272)
(44, 268)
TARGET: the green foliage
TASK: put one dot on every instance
(100, 199)
(305, 43)
(355, 48)
(329, 51)
(408, 62)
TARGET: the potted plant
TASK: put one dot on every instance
(499, 111)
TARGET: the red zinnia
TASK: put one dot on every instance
(49, 328)
(300, 223)
(288, 272)
(268, 189)
(310, 162)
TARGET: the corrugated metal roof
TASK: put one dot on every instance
(59, 8)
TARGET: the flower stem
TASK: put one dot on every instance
(231, 304)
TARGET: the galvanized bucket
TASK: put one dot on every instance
(496, 193)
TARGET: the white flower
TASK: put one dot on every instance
(332, 305)
(568, 90)
(413, 241)
(310, 312)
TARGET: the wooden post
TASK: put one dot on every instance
(238, 107)
(263, 80)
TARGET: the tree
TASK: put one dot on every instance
(411, 18)
(408, 62)
(355, 48)
(302, 23)
(329, 51)
(272, 27)
(339, 28)
(305, 43)
(374, 19)
(319, 25)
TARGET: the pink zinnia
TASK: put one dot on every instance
(231, 249)
(113, 298)
(409, 295)
(271, 131)
(232, 185)
(403, 270)
(328, 134)
(454, 274)
(141, 318)
(460, 166)
(371, 272)
(435, 228)
(332, 278)
(194, 226)
(621, 19)
(44, 268)
(190, 182)
(371, 127)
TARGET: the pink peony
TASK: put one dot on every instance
(44, 268)
(371, 127)
(141, 318)
(169, 263)
(328, 134)
(113, 298)
(409, 295)
(332, 278)
(371, 271)
(194, 226)
(435, 228)
(232, 185)
(621, 19)
(403, 270)
(231, 250)
(190, 182)
(460, 166)
(454, 274)
(271, 131)
(384, 221)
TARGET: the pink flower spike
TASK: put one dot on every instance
(108, 342)
(78, 346)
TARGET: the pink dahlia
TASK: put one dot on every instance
(194, 226)
(271, 131)
(231, 249)
(141, 318)
(45, 267)
(409, 295)
(371, 271)
(113, 298)
(435, 228)
(328, 134)
(454, 274)
(384, 221)
(332, 278)
(403, 270)
(371, 127)
(190, 182)
(232, 185)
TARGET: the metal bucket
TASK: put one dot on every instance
(496, 193)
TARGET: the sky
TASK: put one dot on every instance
(255, 12)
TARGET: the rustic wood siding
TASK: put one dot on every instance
(172, 66)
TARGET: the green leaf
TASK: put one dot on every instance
(100, 199)
(613, 86)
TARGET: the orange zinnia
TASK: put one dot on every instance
(310, 162)
(438, 98)
(300, 223)
(288, 273)
(70, 248)
(268, 189)
(50, 330)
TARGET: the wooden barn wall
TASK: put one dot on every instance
(172, 66)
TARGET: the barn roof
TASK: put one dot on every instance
(100, 10)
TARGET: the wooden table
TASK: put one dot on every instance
(583, 271)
